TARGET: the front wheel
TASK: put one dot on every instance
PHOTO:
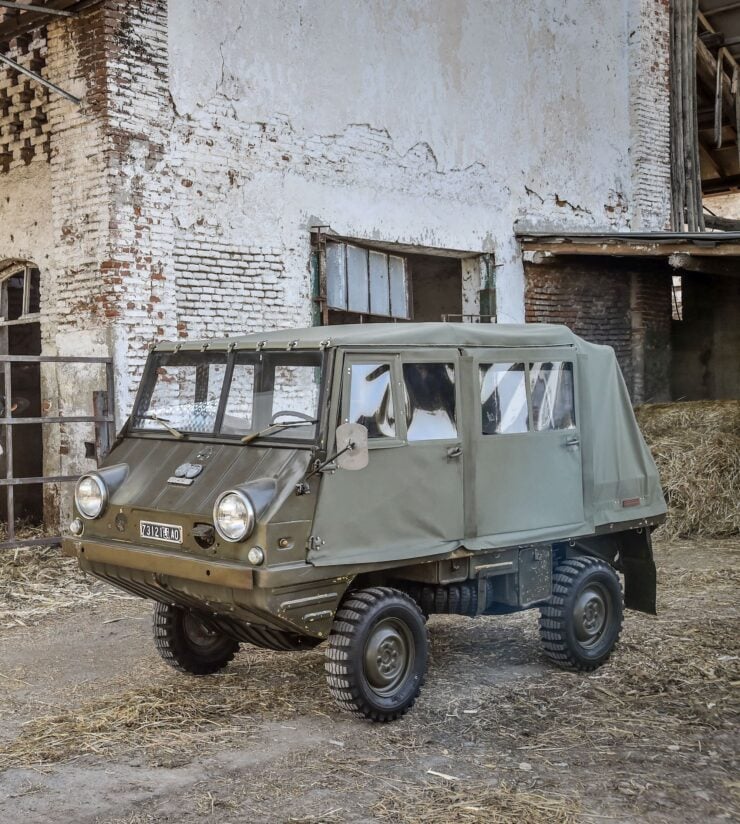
(581, 622)
(188, 644)
(377, 654)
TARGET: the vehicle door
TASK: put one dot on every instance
(526, 443)
(408, 500)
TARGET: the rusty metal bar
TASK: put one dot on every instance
(39, 79)
(45, 479)
(100, 407)
(9, 456)
(51, 359)
(58, 419)
(108, 419)
(54, 540)
(111, 410)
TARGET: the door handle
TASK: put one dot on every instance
(575, 441)
(454, 452)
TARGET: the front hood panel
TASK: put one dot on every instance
(152, 462)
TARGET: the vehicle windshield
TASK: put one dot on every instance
(233, 395)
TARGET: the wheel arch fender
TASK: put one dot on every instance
(631, 553)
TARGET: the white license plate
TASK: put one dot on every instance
(161, 532)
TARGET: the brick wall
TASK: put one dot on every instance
(140, 300)
(623, 304)
(649, 39)
(24, 124)
(651, 332)
(227, 289)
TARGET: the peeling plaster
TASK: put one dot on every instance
(439, 169)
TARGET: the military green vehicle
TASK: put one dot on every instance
(343, 483)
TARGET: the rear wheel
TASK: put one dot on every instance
(188, 644)
(581, 622)
(377, 654)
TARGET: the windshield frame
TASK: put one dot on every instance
(233, 356)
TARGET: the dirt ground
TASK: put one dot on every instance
(95, 728)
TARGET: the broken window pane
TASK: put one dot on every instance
(371, 399)
(430, 397)
(503, 396)
(553, 398)
(357, 280)
(34, 294)
(380, 303)
(14, 286)
(336, 276)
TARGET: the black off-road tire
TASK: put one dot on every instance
(377, 654)
(187, 644)
(581, 622)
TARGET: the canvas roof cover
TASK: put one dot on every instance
(396, 334)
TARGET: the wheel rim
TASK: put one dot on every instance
(389, 655)
(591, 614)
(198, 634)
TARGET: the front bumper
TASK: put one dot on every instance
(297, 597)
(160, 562)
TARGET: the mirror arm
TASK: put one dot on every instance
(322, 466)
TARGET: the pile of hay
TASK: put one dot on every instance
(696, 445)
(37, 581)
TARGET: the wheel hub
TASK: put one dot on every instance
(388, 655)
(198, 633)
(590, 614)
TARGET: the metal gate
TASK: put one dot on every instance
(103, 418)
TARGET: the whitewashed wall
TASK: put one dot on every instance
(433, 123)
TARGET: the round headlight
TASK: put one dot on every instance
(233, 515)
(91, 496)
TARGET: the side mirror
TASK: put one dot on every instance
(352, 443)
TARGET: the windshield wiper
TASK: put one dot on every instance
(150, 416)
(274, 427)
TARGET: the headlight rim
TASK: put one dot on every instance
(103, 489)
(251, 520)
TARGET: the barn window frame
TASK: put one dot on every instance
(27, 271)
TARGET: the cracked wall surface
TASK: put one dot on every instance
(434, 124)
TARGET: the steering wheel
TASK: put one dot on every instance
(299, 415)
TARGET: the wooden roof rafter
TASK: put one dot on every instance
(18, 17)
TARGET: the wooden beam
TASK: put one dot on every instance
(32, 7)
(22, 22)
(726, 224)
(720, 9)
(706, 71)
(620, 248)
(726, 184)
(705, 265)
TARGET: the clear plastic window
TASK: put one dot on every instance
(371, 399)
(184, 390)
(239, 404)
(270, 388)
(503, 395)
(295, 397)
(553, 398)
(430, 397)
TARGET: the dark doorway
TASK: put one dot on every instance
(436, 284)
(20, 334)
